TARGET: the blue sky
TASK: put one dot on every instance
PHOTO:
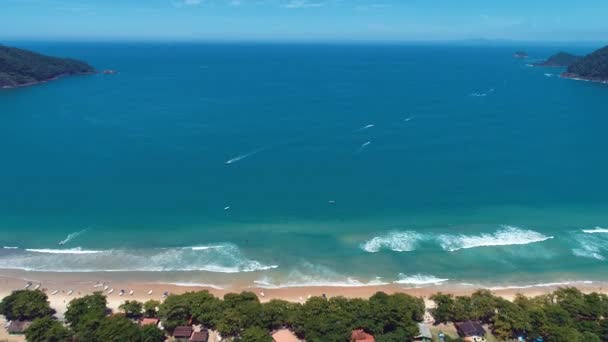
(554, 20)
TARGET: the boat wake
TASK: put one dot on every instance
(243, 156)
(72, 236)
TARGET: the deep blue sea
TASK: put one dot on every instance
(308, 164)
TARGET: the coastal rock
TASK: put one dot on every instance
(20, 67)
(593, 67)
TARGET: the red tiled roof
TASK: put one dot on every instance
(199, 336)
(149, 321)
(185, 331)
(361, 336)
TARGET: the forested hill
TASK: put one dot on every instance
(593, 67)
(561, 59)
(20, 67)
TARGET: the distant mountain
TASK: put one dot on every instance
(593, 67)
(20, 67)
(561, 59)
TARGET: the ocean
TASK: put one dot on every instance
(307, 164)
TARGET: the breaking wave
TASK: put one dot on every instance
(310, 275)
(591, 244)
(406, 241)
(419, 279)
(596, 230)
(506, 236)
(224, 258)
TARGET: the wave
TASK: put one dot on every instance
(72, 236)
(406, 241)
(10, 247)
(313, 281)
(521, 287)
(591, 244)
(419, 279)
(77, 250)
(243, 156)
(364, 128)
(224, 258)
(186, 284)
(506, 236)
(596, 230)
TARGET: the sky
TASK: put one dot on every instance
(393, 20)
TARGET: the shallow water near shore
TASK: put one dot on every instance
(307, 165)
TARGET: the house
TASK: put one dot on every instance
(424, 333)
(284, 335)
(149, 321)
(182, 334)
(18, 327)
(200, 336)
(471, 331)
(361, 336)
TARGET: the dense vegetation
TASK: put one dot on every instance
(592, 67)
(566, 315)
(21, 67)
(560, 59)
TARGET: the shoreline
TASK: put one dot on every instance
(85, 284)
(31, 84)
(577, 77)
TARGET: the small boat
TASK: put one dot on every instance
(262, 294)
(227, 208)
(331, 202)
(122, 292)
(98, 285)
(105, 287)
(70, 292)
(131, 292)
(54, 292)
(28, 284)
(150, 292)
(110, 291)
(36, 287)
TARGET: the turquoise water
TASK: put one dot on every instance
(345, 164)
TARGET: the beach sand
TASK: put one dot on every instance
(84, 283)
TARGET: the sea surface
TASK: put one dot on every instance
(308, 164)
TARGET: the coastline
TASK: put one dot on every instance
(85, 283)
(31, 84)
(577, 77)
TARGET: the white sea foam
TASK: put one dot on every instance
(549, 75)
(596, 230)
(76, 250)
(506, 236)
(521, 287)
(243, 156)
(224, 258)
(405, 241)
(186, 284)
(419, 279)
(315, 281)
(10, 247)
(364, 128)
(72, 236)
(479, 94)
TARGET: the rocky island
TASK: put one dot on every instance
(560, 59)
(20, 67)
(520, 54)
(593, 67)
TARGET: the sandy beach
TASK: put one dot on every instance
(86, 283)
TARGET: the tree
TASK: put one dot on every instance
(26, 305)
(47, 329)
(150, 308)
(278, 313)
(132, 308)
(174, 311)
(85, 315)
(240, 311)
(150, 333)
(444, 307)
(255, 334)
(117, 329)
